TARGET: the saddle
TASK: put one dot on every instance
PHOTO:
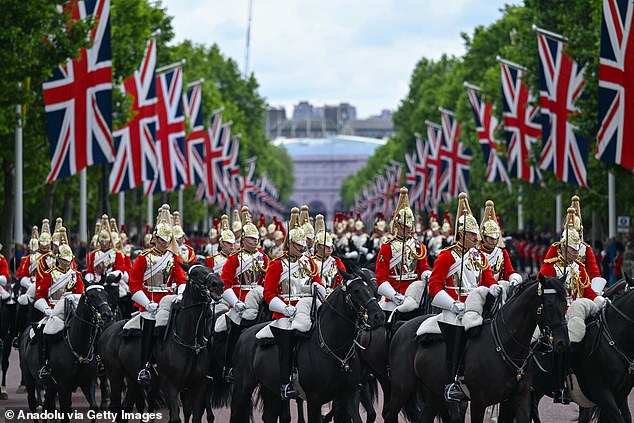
(62, 311)
(301, 323)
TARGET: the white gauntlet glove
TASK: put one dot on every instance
(151, 307)
(495, 290)
(290, 311)
(240, 307)
(398, 299)
(457, 307)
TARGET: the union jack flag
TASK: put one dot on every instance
(615, 139)
(213, 158)
(417, 174)
(456, 156)
(434, 165)
(231, 170)
(247, 185)
(486, 126)
(521, 123)
(136, 160)
(170, 134)
(78, 99)
(564, 153)
(195, 141)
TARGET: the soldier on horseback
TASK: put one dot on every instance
(186, 252)
(309, 230)
(106, 259)
(402, 260)
(242, 272)
(50, 287)
(290, 277)
(457, 271)
(436, 240)
(227, 242)
(155, 274)
(328, 266)
(578, 285)
(49, 246)
(491, 245)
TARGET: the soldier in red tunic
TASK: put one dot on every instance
(227, 242)
(328, 266)
(395, 270)
(155, 274)
(289, 278)
(457, 271)
(106, 259)
(185, 251)
(242, 272)
(50, 287)
(491, 245)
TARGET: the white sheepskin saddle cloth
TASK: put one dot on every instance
(576, 316)
(55, 323)
(164, 310)
(300, 322)
(134, 323)
(252, 300)
(413, 294)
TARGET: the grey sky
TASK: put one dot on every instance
(329, 51)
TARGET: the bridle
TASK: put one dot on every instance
(360, 323)
(543, 323)
(607, 334)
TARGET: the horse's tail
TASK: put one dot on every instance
(372, 387)
(220, 393)
(155, 399)
(589, 415)
(413, 406)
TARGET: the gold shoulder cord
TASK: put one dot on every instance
(422, 254)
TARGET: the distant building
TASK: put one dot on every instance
(320, 165)
(302, 111)
(275, 118)
(372, 128)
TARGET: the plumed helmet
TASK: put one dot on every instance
(358, 224)
(570, 236)
(465, 222)
(489, 225)
(433, 223)
(271, 228)
(578, 224)
(236, 224)
(105, 234)
(45, 233)
(65, 252)
(304, 221)
(114, 234)
(34, 239)
(226, 234)
(380, 224)
(163, 228)
(55, 238)
(446, 223)
(94, 241)
(277, 235)
(295, 233)
(178, 229)
(249, 230)
(403, 213)
(322, 237)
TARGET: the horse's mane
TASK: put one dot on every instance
(627, 296)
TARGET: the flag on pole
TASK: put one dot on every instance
(455, 155)
(78, 99)
(213, 155)
(565, 153)
(522, 126)
(136, 159)
(434, 165)
(486, 126)
(615, 138)
(170, 134)
(195, 141)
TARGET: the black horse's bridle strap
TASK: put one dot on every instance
(607, 334)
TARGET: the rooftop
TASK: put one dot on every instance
(338, 145)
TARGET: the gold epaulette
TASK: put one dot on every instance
(555, 244)
(551, 260)
(146, 252)
(392, 239)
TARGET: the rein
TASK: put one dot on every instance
(95, 324)
(607, 334)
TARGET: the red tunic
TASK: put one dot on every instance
(556, 269)
(232, 265)
(119, 263)
(43, 284)
(439, 279)
(4, 268)
(23, 268)
(589, 261)
(191, 255)
(506, 270)
(176, 276)
(392, 275)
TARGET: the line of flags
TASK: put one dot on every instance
(153, 148)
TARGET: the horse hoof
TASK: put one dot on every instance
(4, 396)
(21, 389)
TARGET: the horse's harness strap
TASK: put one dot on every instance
(345, 361)
(610, 339)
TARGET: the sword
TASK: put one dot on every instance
(464, 233)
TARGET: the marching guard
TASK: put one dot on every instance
(155, 274)
(457, 271)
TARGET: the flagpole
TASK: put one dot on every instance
(83, 233)
(150, 207)
(520, 210)
(171, 66)
(121, 215)
(180, 200)
(558, 212)
(611, 204)
(18, 219)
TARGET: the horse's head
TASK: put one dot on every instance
(96, 299)
(202, 281)
(359, 292)
(552, 310)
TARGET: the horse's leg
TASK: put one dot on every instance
(5, 336)
(402, 389)
(535, 399)
(198, 397)
(299, 403)
(241, 403)
(89, 392)
(348, 408)
(625, 411)
(314, 412)
(272, 406)
(64, 397)
(172, 403)
(116, 387)
(610, 410)
(433, 407)
(186, 401)
(365, 397)
(106, 393)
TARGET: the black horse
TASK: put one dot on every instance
(497, 359)
(327, 368)
(603, 363)
(12, 322)
(181, 357)
(71, 354)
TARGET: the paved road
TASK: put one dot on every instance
(549, 412)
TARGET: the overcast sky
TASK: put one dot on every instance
(330, 51)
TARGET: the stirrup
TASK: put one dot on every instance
(455, 392)
(227, 374)
(45, 374)
(145, 377)
(16, 343)
(288, 391)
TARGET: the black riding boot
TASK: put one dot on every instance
(45, 374)
(147, 342)
(455, 343)
(285, 344)
(233, 334)
(562, 394)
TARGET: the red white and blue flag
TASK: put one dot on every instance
(417, 174)
(565, 152)
(195, 141)
(615, 138)
(214, 158)
(522, 126)
(434, 165)
(455, 177)
(170, 134)
(486, 126)
(78, 99)
(136, 160)
(231, 171)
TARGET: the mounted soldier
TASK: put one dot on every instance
(289, 278)
(242, 272)
(186, 252)
(457, 271)
(491, 245)
(49, 252)
(436, 240)
(226, 242)
(328, 266)
(578, 285)
(50, 287)
(155, 274)
(26, 274)
(105, 260)
(402, 260)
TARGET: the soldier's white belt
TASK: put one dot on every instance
(166, 289)
(464, 289)
(406, 277)
(245, 287)
(294, 297)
